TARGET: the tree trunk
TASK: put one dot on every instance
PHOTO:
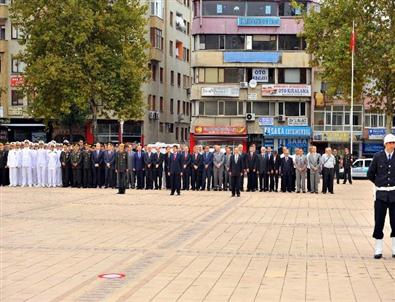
(388, 120)
(94, 123)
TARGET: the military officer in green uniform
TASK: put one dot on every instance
(121, 168)
(76, 163)
(87, 166)
(65, 162)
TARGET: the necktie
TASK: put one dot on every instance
(389, 157)
(175, 155)
(236, 158)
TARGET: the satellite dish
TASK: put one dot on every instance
(253, 83)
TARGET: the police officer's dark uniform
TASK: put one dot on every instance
(87, 168)
(337, 168)
(121, 168)
(382, 173)
(65, 162)
(347, 162)
(76, 162)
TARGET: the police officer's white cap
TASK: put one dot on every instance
(41, 142)
(389, 138)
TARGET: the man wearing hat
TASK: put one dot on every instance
(121, 168)
(382, 173)
(26, 163)
(65, 164)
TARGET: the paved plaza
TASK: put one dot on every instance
(201, 246)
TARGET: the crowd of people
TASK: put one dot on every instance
(154, 167)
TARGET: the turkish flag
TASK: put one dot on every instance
(353, 41)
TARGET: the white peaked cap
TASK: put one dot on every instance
(389, 138)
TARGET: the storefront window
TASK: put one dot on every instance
(261, 8)
(107, 131)
(223, 8)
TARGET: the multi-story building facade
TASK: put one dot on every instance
(252, 79)
(167, 111)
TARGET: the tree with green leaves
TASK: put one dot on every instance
(327, 31)
(86, 55)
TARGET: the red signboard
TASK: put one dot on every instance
(220, 130)
(17, 81)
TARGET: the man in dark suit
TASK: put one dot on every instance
(3, 164)
(236, 169)
(98, 161)
(175, 171)
(251, 167)
(159, 170)
(150, 161)
(139, 167)
(243, 158)
(207, 168)
(197, 160)
(286, 169)
(262, 169)
(131, 173)
(274, 163)
(186, 168)
(167, 167)
(382, 173)
(109, 162)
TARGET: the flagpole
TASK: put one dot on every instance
(352, 90)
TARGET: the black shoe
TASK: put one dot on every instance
(238, 195)
(393, 255)
(378, 256)
(171, 193)
(233, 195)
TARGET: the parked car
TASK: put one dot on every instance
(359, 168)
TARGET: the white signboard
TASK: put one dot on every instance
(260, 74)
(221, 91)
(286, 90)
(266, 121)
(252, 96)
(298, 121)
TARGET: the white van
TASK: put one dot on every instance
(359, 168)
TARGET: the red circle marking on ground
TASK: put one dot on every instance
(112, 276)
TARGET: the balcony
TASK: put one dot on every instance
(156, 22)
(156, 54)
(4, 12)
(3, 46)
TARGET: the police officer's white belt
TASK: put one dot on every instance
(385, 189)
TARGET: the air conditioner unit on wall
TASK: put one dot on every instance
(282, 118)
(243, 84)
(250, 117)
(151, 115)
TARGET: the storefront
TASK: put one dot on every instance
(109, 131)
(22, 129)
(373, 141)
(291, 137)
(219, 135)
(337, 140)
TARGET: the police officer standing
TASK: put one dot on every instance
(347, 162)
(337, 165)
(382, 173)
(121, 168)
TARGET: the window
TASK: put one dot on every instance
(171, 127)
(211, 108)
(292, 108)
(161, 104)
(188, 28)
(188, 55)
(179, 79)
(16, 33)
(180, 23)
(234, 42)
(171, 48)
(161, 74)
(171, 19)
(171, 106)
(178, 107)
(172, 78)
(261, 8)
(156, 38)
(184, 54)
(176, 133)
(261, 108)
(291, 42)
(230, 108)
(179, 50)
(233, 75)
(153, 103)
(286, 8)
(264, 42)
(223, 8)
(153, 71)
(17, 66)
(157, 8)
(184, 109)
(2, 32)
(292, 76)
(16, 98)
(211, 75)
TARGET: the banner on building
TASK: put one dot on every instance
(286, 90)
(258, 21)
(221, 130)
(221, 91)
(284, 131)
(260, 74)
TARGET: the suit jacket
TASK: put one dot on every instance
(236, 168)
(139, 161)
(175, 164)
(251, 161)
(131, 160)
(109, 158)
(186, 161)
(167, 162)
(208, 160)
(287, 166)
(161, 160)
(3, 159)
(382, 173)
(197, 161)
(150, 159)
(98, 158)
(262, 163)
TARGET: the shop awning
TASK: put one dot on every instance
(22, 125)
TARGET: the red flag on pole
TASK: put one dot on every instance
(352, 41)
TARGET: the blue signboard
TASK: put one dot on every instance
(372, 148)
(292, 143)
(378, 133)
(269, 142)
(251, 57)
(258, 21)
(286, 131)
